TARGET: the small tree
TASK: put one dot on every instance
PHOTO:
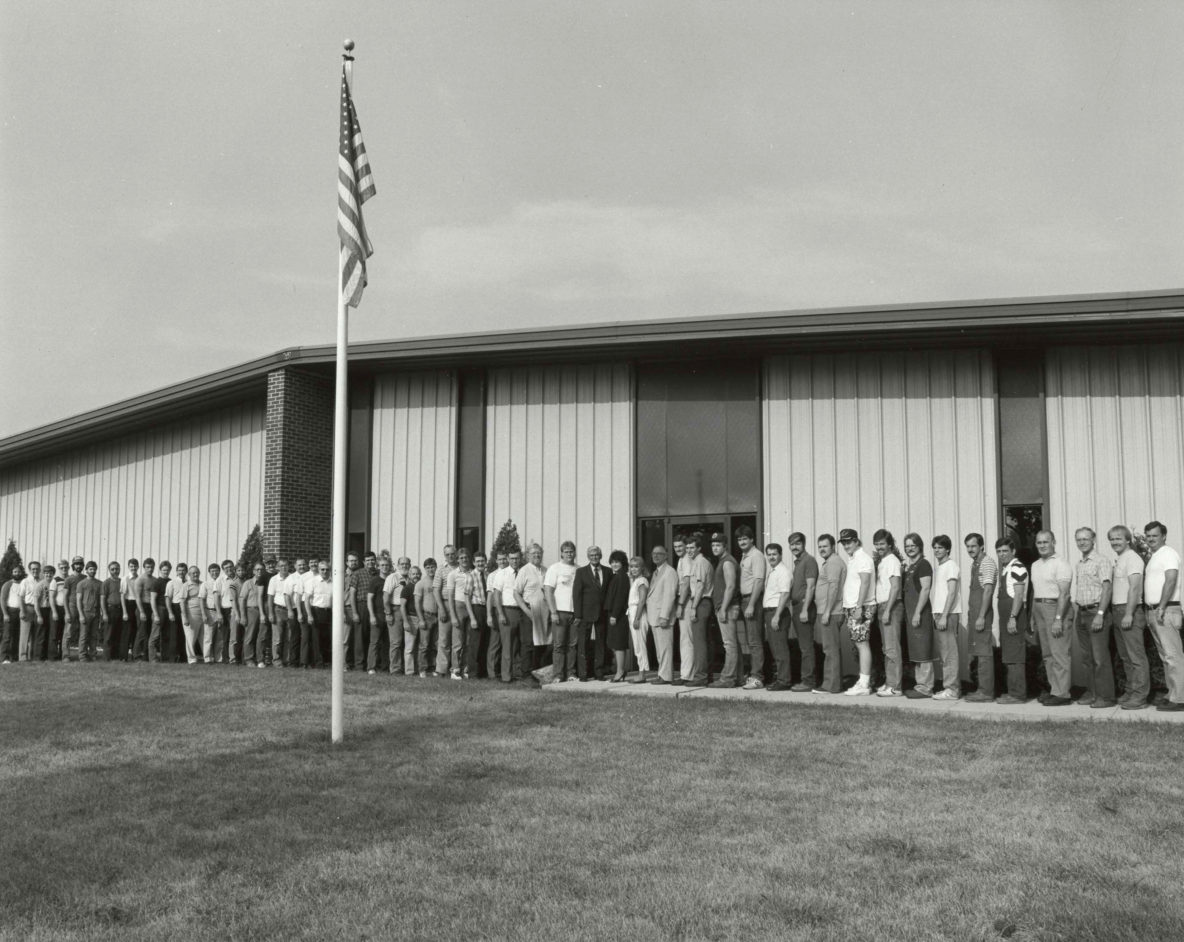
(507, 541)
(11, 558)
(252, 550)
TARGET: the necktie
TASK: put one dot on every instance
(596, 570)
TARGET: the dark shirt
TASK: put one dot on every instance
(160, 585)
(407, 594)
(616, 596)
(375, 589)
(112, 592)
(804, 567)
(87, 593)
(72, 581)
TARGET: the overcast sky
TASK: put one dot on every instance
(168, 178)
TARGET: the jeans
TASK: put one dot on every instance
(1095, 653)
(733, 670)
(891, 625)
(1132, 650)
(251, 637)
(947, 649)
(754, 631)
(565, 654)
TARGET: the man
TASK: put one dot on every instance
(588, 602)
(947, 614)
(859, 606)
(803, 608)
(660, 604)
(63, 616)
(277, 614)
(43, 635)
(1129, 619)
(889, 611)
(131, 621)
(146, 624)
(402, 625)
(111, 614)
(478, 643)
(753, 570)
(229, 589)
(177, 641)
(980, 616)
(11, 610)
(696, 610)
(252, 600)
(507, 619)
(158, 603)
(29, 613)
(69, 635)
(384, 629)
(558, 588)
(459, 588)
(686, 641)
(424, 599)
(441, 591)
(318, 610)
(1051, 579)
(193, 613)
(293, 595)
(214, 630)
(828, 626)
(88, 595)
(1161, 592)
(1089, 596)
(777, 615)
(357, 584)
(1013, 621)
(534, 629)
(725, 596)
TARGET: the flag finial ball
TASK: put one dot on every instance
(349, 45)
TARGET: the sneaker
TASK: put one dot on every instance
(455, 675)
(800, 687)
(887, 691)
(572, 679)
(372, 672)
(261, 666)
(423, 674)
(754, 684)
(433, 674)
(858, 690)
(1008, 700)
(947, 694)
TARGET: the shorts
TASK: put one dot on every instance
(859, 622)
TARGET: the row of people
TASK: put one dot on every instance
(461, 619)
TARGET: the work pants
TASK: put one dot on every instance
(113, 633)
(251, 635)
(1166, 635)
(981, 645)
(582, 631)
(803, 630)
(143, 631)
(428, 630)
(157, 634)
(733, 669)
(461, 625)
(664, 647)
(753, 632)
(393, 634)
(947, 652)
(374, 640)
(594, 649)
(516, 644)
(43, 635)
(1132, 651)
(410, 626)
(88, 633)
(509, 652)
(564, 637)
(321, 653)
(1095, 653)
(444, 644)
(695, 669)
(213, 642)
(828, 631)
(778, 634)
(1056, 652)
(65, 635)
(492, 635)
(281, 638)
(891, 624)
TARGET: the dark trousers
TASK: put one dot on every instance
(10, 637)
(358, 640)
(160, 631)
(60, 642)
(511, 655)
(43, 635)
(377, 647)
(174, 641)
(596, 648)
(777, 631)
(143, 631)
(88, 635)
(477, 642)
(1095, 653)
(321, 637)
(804, 630)
(754, 631)
(521, 630)
(113, 643)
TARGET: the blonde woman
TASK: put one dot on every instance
(639, 586)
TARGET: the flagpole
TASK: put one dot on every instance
(341, 401)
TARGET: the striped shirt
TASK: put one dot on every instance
(988, 571)
(1089, 577)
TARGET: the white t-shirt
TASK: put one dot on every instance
(1162, 561)
(889, 567)
(859, 563)
(777, 583)
(293, 587)
(941, 588)
(392, 586)
(561, 577)
(275, 586)
(321, 593)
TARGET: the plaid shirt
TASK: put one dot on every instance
(1088, 577)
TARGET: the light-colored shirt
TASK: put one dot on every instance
(306, 582)
(859, 564)
(941, 588)
(1090, 575)
(293, 588)
(700, 574)
(529, 582)
(831, 572)
(424, 597)
(753, 566)
(1129, 563)
(1162, 561)
(888, 568)
(1015, 578)
(15, 593)
(172, 592)
(684, 573)
(561, 577)
(209, 589)
(1048, 575)
(460, 585)
(30, 589)
(127, 587)
(777, 584)
(275, 586)
(321, 594)
(635, 587)
(502, 582)
(988, 571)
(392, 586)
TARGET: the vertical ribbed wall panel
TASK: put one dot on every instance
(559, 455)
(904, 441)
(414, 463)
(151, 493)
(1116, 439)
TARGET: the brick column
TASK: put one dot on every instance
(298, 473)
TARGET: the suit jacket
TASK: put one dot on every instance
(663, 591)
(616, 597)
(587, 597)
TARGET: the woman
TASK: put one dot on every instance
(889, 609)
(639, 587)
(616, 607)
(918, 583)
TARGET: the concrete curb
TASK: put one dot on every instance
(1032, 711)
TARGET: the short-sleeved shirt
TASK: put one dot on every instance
(635, 587)
(175, 589)
(776, 585)
(189, 599)
(60, 594)
(293, 589)
(859, 564)
(805, 568)
(392, 585)
(127, 587)
(113, 591)
(31, 591)
(1047, 576)
(505, 585)
(726, 570)
(439, 584)
(306, 582)
(359, 581)
(700, 576)
(407, 596)
(275, 588)
(87, 594)
(1015, 579)
(753, 566)
(886, 570)
(425, 598)
(941, 588)
(376, 588)
(1090, 575)
(209, 593)
(561, 577)
(1129, 563)
(1162, 561)
(478, 588)
(229, 588)
(832, 572)
(683, 568)
(529, 582)
(71, 582)
(259, 582)
(160, 586)
(321, 594)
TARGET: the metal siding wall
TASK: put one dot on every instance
(559, 455)
(902, 441)
(1116, 439)
(134, 496)
(413, 471)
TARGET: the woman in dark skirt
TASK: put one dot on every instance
(616, 601)
(918, 613)
(1013, 620)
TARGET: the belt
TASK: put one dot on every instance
(1085, 608)
(1046, 600)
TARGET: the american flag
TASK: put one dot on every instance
(355, 185)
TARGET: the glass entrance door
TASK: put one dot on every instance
(654, 531)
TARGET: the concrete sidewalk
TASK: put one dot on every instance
(1031, 711)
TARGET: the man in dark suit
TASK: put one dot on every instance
(588, 602)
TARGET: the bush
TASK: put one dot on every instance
(12, 557)
(507, 541)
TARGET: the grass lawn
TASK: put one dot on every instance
(147, 802)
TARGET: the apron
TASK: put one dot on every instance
(920, 639)
(1014, 647)
(981, 643)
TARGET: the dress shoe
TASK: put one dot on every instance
(800, 688)
(1169, 707)
(659, 682)
(722, 684)
(639, 679)
(777, 685)
(914, 694)
(1086, 699)
(1102, 704)
(1054, 701)
(979, 696)
(1136, 705)
(696, 683)
(678, 682)
(1008, 700)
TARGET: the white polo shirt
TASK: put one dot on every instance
(941, 588)
(293, 587)
(859, 563)
(321, 593)
(1162, 561)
